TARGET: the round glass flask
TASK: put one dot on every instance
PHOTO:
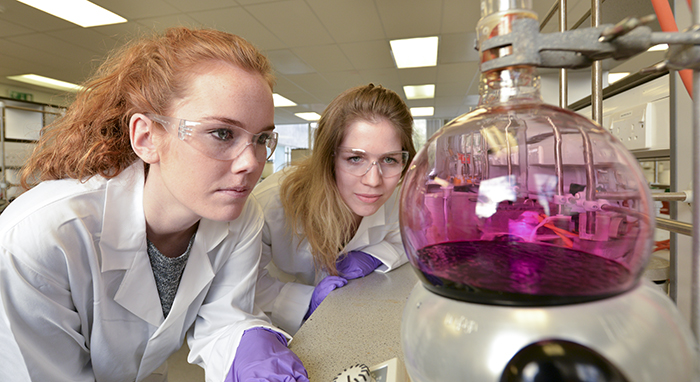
(522, 203)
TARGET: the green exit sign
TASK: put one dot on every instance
(21, 96)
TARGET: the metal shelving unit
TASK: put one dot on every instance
(20, 126)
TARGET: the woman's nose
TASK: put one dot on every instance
(246, 161)
(373, 176)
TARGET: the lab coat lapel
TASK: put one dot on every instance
(138, 292)
(366, 232)
(123, 245)
(196, 277)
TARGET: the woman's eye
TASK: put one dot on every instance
(393, 160)
(223, 134)
(262, 139)
(355, 159)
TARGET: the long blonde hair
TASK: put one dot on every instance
(309, 193)
(92, 138)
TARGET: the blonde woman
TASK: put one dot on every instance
(140, 231)
(334, 216)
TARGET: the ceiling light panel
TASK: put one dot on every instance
(46, 82)
(415, 52)
(419, 91)
(282, 101)
(422, 111)
(80, 12)
(310, 116)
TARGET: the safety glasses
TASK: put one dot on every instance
(219, 140)
(358, 162)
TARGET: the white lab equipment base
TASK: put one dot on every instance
(640, 332)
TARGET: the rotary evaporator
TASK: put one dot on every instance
(529, 227)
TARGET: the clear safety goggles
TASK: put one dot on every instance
(358, 162)
(219, 140)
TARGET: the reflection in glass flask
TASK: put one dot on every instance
(523, 203)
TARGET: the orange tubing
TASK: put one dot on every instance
(661, 245)
(562, 233)
(668, 24)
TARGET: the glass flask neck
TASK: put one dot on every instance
(517, 84)
(489, 7)
(512, 85)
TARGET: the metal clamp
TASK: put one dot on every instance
(581, 47)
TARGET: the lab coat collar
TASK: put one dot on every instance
(123, 223)
(123, 247)
(123, 244)
(376, 219)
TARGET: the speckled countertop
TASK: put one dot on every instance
(359, 323)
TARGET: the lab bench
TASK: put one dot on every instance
(359, 323)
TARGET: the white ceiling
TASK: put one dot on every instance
(318, 47)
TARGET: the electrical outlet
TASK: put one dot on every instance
(630, 127)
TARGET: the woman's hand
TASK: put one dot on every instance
(322, 290)
(356, 264)
(262, 355)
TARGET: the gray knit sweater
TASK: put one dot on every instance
(167, 272)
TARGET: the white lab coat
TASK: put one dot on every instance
(289, 275)
(78, 297)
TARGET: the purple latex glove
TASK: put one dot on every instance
(262, 355)
(356, 264)
(324, 287)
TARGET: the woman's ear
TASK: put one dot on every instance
(141, 135)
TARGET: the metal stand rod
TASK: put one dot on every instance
(675, 226)
(555, 7)
(695, 277)
(670, 197)
(563, 76)
(597, 72)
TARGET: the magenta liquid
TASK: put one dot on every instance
(519, 273)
